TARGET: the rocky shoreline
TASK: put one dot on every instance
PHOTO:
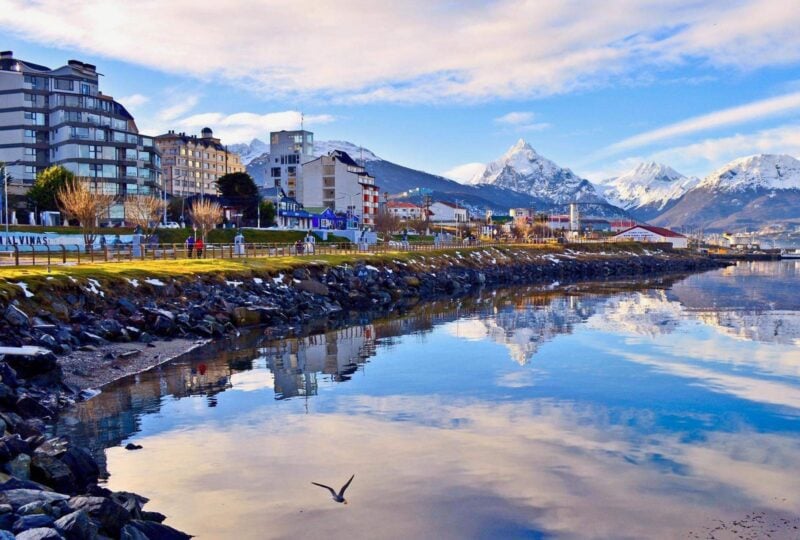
(63, 337)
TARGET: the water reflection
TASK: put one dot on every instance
(604, 411)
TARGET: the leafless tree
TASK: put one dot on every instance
(144, 211)
(386, 223)
(205, 215)
(77, 201)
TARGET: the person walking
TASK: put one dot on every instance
(238, 243)
(198, 246)
(189, 246)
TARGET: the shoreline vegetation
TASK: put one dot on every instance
(70, 329)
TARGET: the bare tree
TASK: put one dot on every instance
(87, 206)
(205, 215)
(144, 211)
(386, 223)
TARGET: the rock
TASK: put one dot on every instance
(6, 508)
(8, 397)
(29, 362)
(52, 472)
(127, 307)
(32, 521)
(76, 526)
(313, 286)
(158, 531)
(29, 407)
(411, 281)
(16, 317)
(163, 325)
(82, 465)
(131, 502)
(5, 535)
(131, 446)
(110, 515)
(8, 375)
(129, 532)
(20, 497)
(41, 533)
(20, 467)
(91, 339)
(158, 517)
(245, 316)
(35, 507)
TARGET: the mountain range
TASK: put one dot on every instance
(747, 193)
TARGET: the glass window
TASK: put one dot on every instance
(147, 141)
(119, 137)
(30, 151)
(84, 89)
(131, 154)
(276, 172)
(131, 138)
(64, 84)
(119, 124)
(131, 172)
(30, 134)
(144, 156)
(79, 133)
(99, 134)
(30, 169)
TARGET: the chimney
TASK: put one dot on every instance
(75, 63)
(5, 55)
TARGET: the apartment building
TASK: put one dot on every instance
(446, 212)
(60, 117)
(288, 150)
(404, 210)
(337, 182)
(192, 165)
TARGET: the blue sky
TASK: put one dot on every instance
(444, 85)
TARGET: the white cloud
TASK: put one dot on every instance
(515, 118)
(243, 127)
(417, 50)
(464, 173)
(756, 110)
(179, 108)
(134, 101)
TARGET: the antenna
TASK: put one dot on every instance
(302, 121)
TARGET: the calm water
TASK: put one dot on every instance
(664, 410)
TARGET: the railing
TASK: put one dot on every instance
(76, 254)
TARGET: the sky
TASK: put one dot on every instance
(446, 86)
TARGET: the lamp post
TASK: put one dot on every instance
(6, 177)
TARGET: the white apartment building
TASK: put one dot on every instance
(404, 210)
(60, 117)
(288, 151)
(337, 182)
(445, 212)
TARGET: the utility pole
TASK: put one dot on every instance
(427, 204)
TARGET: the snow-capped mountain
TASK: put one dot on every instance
(646, 190)
(762, 171)
(248, 152)
(747, 193)
(523, 170)
(359, 153)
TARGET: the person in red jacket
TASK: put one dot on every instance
(198, 247)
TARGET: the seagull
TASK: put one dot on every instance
(338, 497)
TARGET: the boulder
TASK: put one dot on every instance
(82, 465)
(16, 317)
(158, 531)
(6, 535)
(28, 407)
(40, 533)
(32, 521)
(313, 286)
(30, 361)
(110, 515)
(76, 526)
(20, 467)
(50, 471)
(20, 497)
(8, 397)
(35, 507)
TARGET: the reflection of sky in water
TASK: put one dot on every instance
(631, 417)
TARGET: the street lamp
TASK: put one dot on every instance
(6, 178)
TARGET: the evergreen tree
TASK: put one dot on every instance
(43, 193)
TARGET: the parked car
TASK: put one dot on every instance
(169, 225)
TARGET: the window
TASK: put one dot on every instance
(37, 119)
(84, 89)
(79, 133)
(147, 141)
(30, 151)
(144, 156)
(131, 154)
(30, 169)
(131, 138)
(116, 123)
(183, 151)
(292, 170)
(276, 172)
(119, 137)
(30, 134)
(131, 172)
(64, 84)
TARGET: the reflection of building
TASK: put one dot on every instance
(296, 362)
(193, 165)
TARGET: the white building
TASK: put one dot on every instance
(288, 150)
(337, 182)
(648, 233)
(445, 212)
(404, 210)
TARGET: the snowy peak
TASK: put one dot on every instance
(762, 171)
(523, 170)
(649, 184)
(249, 152)
(323, 148)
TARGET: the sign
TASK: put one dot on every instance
(26, 242)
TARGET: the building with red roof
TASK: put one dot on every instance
(649, 233)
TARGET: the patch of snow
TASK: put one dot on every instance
(258, 280)
(234, 283)
(134, 282)
(370, 267)
(155, 282)
(94, 287)
(24, 286)
(278, 280)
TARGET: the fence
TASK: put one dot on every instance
(75, 254)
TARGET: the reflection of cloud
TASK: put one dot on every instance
(518, 379)
(252, 380)
(536, 466)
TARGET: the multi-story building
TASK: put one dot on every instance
(337, 182)
(288, 151)
(404, 210)
(447, 212)
(60, 117)
(192, 165)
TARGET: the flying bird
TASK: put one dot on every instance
(338, 497)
